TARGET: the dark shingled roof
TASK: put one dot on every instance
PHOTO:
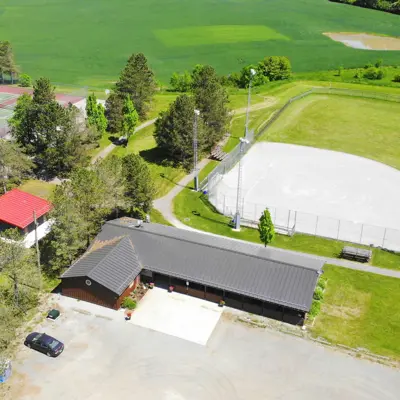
(112, 263)
(227, 264)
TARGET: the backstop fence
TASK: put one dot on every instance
(291, 221)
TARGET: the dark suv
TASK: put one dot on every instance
(44, 343)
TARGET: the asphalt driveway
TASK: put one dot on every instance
(108, 358)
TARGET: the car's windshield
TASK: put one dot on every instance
(53, 344)
(37, 337)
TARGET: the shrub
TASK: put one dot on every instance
(358, 74)
(379, 63)
(396, 78)
(25, 80)
(318, 294)
(373, 73)
(321, 283)
(315, 308)
(368, 66)
(129, 303)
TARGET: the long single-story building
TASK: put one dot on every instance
(246, 276)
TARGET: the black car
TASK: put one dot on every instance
(44, 343)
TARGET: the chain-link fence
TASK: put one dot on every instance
(290, 221)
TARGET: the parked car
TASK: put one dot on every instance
(44, 343)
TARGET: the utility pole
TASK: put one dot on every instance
(239, 199)
(195, 149)
(252, 73)
(37, 251)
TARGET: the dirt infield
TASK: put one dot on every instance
(15, 92)
(365, 41)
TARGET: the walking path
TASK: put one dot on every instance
(165, 206)
(106, 151)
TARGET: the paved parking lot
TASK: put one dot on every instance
(107, 358)
(178, 315)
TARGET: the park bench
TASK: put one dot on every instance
(356, 254)
(217, 153)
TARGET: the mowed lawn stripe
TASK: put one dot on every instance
(217, 34)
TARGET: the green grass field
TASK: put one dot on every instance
(360, 310)
(38, 188)
(165, 175)
(364, 127)
(87, 42)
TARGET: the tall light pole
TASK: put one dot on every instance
(195, 169)
(252, 73)
(243, 142)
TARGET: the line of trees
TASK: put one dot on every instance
(53, 136)
(392, 6)
(174, 127)
(112, 188)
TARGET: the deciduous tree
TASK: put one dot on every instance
(181, 82)
(14, 165)
(130, 119)
(266, 228)
(275, 68)
(18, 264)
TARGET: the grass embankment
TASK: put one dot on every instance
(178, 34)
(347, 75)
(360, 126)
(360, 309)
(194, 210)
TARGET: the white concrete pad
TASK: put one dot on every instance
(314, 182)
(178, 315)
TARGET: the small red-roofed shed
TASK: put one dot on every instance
(17, 208)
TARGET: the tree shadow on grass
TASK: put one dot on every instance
(210, 207)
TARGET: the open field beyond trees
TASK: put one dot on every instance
(360, 309)
(87, 43)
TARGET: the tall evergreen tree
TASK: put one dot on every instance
(7, 62)
(174, 130)
(212, 100)
(140, 189)
(137, 80)
(49, 132)
(114, 112)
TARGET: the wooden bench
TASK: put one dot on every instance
(217, 153)
(356, 254)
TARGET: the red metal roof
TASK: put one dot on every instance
(16, 208)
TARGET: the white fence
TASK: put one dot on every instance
(290, 221)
